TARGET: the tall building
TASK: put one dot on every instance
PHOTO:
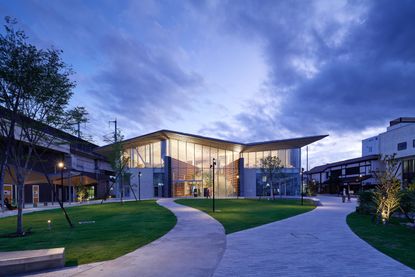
(174, 164)
(399, 139)
(357, 173)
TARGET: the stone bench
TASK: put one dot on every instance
(16, 262)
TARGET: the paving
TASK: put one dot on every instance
(194, 247)
(317, 243)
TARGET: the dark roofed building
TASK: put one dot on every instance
(355, 174)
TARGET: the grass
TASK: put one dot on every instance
(118, 229)
(240, 214)
(393, 239)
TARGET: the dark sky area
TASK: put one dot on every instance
(239, 70)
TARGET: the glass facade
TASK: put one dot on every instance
(286, 182)
(191, 172)
(145, 156)
(290, 158)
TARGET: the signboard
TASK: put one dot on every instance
(8, 193)
(35, 190)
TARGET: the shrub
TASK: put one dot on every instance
(407, 204)
(366, 202)
(311, 189)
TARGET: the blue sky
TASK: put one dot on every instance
(239, 70)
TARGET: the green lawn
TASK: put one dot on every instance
(393, 239)
(118, 229)
(240, 214)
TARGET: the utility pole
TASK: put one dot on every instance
(79, 129)
(115, 129)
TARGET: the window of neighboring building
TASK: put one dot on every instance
(401, 146)
(413, 143)
(352, 170)
(336, 173)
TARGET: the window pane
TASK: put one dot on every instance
(157, 154)
(252, 159)
(198, 156)
(206, 157)
(190, 153)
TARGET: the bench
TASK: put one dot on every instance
(17, 262)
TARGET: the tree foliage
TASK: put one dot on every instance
(119, 161)
(387, 193)
(271, 167)
(35, 90)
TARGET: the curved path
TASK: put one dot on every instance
(317, 243)
(193, 247)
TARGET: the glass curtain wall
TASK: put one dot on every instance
(290, 158)
(191, 172)
(286, 182)
(145, 156)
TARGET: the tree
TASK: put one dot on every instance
(387, 192)
(79, 115)
(81, 192)
(119, 161)
(35, 89)
(271, 166)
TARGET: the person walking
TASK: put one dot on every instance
(344, 195)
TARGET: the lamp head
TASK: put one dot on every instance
(61, 164)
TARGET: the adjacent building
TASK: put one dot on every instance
(81, 166)
(355, 174)
(399, 139)
(358, 173)
(174, 164)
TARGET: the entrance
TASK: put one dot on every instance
(185, 188)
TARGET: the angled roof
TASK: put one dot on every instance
(219, 143)
(324, 167)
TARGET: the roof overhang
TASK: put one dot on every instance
(213, 142)
(282, 144)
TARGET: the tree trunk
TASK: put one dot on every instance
(2, 174)
(20, 192)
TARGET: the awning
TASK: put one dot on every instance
(72, 178)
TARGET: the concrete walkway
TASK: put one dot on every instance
(317, 243)
(193, 247)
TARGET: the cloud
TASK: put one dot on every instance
(142, 83)
(336, 67)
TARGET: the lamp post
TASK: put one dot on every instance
(213, 183)
(139, 186)
(61, 165)
(238, 184)
(302, 183)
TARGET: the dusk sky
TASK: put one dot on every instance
(238, 70)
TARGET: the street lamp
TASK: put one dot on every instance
(139, 186)
(238, 184)
(302, 184)
(61, 165)
(213, 168)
